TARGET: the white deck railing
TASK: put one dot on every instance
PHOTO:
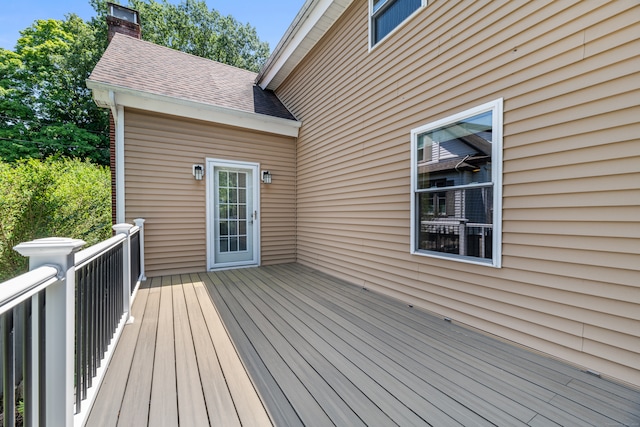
(61, 321)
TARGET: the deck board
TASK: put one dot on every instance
(334, 387)
(276, 403)
(217, 396)
(490, 390)
(275, 359)
(138, 390)
(106, 409)
(426, 367)
(404, 385)
(163, 408)
(433, 383)
(165, 370)
(287, 345)
(523, 383)
(340, 344)
(250, 409)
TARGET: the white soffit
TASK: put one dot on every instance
(310, 24)
(126, 97)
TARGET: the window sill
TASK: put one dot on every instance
(458, 258)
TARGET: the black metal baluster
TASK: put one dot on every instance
(86, 358)
(135, 260)
(78, 377)
(42, 368)
(8, 369)
(95, 286)
(99, 310)
(111, 299)
(27, 373)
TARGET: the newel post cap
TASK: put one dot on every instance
(49, 246)
(122, 228)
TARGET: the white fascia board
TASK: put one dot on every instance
(132, 98)
(295, 36)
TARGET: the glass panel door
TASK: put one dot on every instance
(233, 216)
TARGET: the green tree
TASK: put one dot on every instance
(46, 107)
(193, 28)
(54, 197)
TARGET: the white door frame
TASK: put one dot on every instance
(210, 229)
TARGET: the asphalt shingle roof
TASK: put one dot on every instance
(139, 65)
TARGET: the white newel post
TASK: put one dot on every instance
(140, 223)
(124, 228)
(59, 323)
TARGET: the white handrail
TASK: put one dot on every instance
(87, 255)
(19, 289)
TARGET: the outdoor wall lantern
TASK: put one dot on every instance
(266, 177)
(198, 172)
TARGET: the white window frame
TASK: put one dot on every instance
(373, 45)
(496, 107)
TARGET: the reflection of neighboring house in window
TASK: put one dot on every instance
(456, 221)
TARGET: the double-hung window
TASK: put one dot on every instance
(386, 15)
(456, 174)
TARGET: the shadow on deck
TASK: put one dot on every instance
(320, 352)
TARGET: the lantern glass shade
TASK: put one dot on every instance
(266, 177)
(198, 172)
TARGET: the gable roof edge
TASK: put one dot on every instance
(105, 95)
(313, 20)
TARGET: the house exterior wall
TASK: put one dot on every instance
(569, 74)
(159, 186)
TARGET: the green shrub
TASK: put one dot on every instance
(53, 197)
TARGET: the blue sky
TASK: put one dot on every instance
(270, 18)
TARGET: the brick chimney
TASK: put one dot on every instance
(123, 20)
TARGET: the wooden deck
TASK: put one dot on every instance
(323, 352)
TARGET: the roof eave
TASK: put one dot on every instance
(106, 95)
(313, 20)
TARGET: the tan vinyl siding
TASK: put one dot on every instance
(160, 151)
(569, 73)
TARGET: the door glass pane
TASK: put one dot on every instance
(223, 194)
(223, 178)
